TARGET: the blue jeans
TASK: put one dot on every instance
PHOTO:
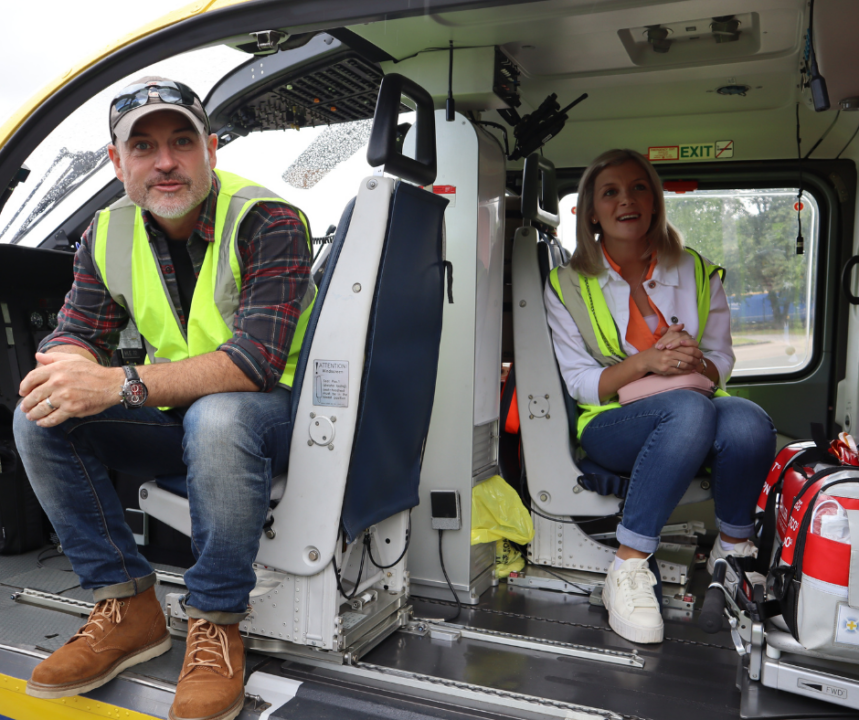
(222, 452)
(662, 443)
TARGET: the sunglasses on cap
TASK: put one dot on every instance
(135, 96)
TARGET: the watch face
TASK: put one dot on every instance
(135, 394)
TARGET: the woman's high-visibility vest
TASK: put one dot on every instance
(131, 272)
(583, 297)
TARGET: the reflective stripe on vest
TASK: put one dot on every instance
(140, 287)
(584, 299)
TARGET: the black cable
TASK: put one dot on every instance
(495, 125)
(429, 49)
(822, 137)
(402, 554)
(848, 142)
(44, 556)
(360, 572)
(450, 105)
(449, 583)
(571, 521)
(578, 587)
(800, 240)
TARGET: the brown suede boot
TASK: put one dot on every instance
(119, 633)
(212, 682)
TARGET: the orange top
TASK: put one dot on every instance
(637, 333)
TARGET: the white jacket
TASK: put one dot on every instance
(673, 291)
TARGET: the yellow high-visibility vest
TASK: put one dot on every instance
(131, 273)
(584, 299)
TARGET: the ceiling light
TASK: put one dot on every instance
(725, 28)
(657, 36)
(733, 90)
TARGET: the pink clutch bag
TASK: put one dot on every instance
(651, 385)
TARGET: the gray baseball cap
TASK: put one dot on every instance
(152, 94)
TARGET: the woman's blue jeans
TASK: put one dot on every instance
(662, 443)
(222, 452)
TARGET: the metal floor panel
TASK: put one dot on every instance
(15, 564)
(44, 579)
(690, 674)
(668, 688)
(31, 627)
(321, 699)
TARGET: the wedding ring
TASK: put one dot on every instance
(678, 365)
(50, 404)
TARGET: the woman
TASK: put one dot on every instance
(631, 302)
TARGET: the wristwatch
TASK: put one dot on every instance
(134, 393)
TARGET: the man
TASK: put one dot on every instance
(215, 272)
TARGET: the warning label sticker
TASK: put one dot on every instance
(331, 383)
(692, 152)
(847, 625)
(351, 619)
(446, 191)
(724, 148)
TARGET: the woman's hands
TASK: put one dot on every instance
(676, 353)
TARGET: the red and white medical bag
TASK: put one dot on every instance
(811, 500)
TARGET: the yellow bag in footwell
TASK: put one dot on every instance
(497, 514)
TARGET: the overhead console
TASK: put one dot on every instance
(321, 83)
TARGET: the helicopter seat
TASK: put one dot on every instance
(331, 561)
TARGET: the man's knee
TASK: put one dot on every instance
(214, 418)
(28, 435)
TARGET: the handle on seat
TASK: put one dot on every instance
(382, 149)
(845, 280)
(710, 620)
(540, 191)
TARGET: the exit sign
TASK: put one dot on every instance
(692, 152)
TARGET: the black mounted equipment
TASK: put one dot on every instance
(540, 126)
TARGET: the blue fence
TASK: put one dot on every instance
(757, 308)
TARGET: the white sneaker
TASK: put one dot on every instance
(633, 612)
(741, 549)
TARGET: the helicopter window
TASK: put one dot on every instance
(317, 169)
(771, 290)
(71, 164)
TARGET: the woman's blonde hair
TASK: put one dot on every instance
(663, 237)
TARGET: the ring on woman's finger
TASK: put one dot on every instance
(678, 364)
(50, 404)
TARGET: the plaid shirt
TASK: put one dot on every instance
(276, 263)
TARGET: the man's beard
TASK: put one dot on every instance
(171, 206)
